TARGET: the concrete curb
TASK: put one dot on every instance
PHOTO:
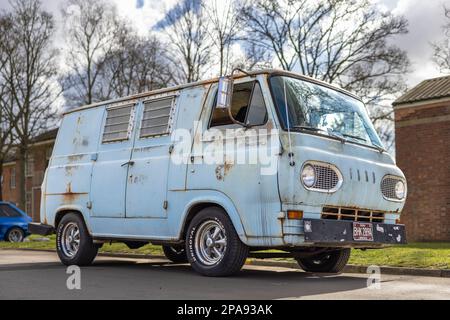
(360, 269)
(284, 264)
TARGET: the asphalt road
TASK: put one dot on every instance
(39, 275)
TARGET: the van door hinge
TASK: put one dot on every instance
(171, 148)
(165, 205)
(89, 204)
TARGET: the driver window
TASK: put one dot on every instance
(247, 106)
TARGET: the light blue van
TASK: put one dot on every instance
(218, 169)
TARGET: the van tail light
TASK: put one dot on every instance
(297, 215)
(398, 221)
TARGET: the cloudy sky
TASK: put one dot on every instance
(425, 21)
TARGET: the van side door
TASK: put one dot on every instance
(239, 162)
(147, 177)
(112, 163)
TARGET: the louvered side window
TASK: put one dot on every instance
(118, 123)
(157, 117)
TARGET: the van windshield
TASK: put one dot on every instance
(315, 108)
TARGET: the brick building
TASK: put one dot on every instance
(37, 162)
(422, 129)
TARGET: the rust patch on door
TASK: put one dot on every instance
(223, 170)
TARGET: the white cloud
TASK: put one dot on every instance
(425, 25)
(148, 15)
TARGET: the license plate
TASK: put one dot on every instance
(362, 231)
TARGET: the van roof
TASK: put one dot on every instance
(210, 81)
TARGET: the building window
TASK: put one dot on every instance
(119, 123)
(28, 204)
(157, 116)
(29, 166)
(12, 178)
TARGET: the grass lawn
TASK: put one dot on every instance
(416, 255)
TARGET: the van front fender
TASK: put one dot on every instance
(217, 199)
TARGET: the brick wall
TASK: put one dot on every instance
(423, 153)
(40, 154)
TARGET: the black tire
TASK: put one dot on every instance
(15, 234)
(175, 254)
(86, 251)
(328, 262)
(233, 255)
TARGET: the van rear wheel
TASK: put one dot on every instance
(212, 244)
(329, 262)
(74, 244)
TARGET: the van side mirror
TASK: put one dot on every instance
(224, 93)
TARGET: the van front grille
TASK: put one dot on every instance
(326, 178)
(363, 215)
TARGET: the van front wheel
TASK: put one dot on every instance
(212, 244)
(74, 244)
(329, 262)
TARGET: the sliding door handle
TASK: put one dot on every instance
(128, 163)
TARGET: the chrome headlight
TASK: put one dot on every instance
(400, 190)
(308, 176)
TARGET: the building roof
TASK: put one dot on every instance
(47, 135)
(431, 89)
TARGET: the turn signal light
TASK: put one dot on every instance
(295, 215)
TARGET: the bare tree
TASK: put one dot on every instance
(137, 64)
(185, 27)
(441, 55)
(29, 75)
(7, 116)
(339, 41)
(256, 58)
(223, 28)
(90, 28)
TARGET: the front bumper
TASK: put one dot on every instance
(340, 232)
(40, 228)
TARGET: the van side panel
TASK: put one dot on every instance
(68, 177)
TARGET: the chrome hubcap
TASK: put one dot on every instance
(15, 236)
(210, 242)
(70, 239)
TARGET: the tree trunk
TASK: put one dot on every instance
(22, 178)
(1, 181)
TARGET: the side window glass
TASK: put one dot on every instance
(239, 105)
(156, 119)
(3, 211)
(247, 106)
(119, 122)
(7, 211)
(257, 113)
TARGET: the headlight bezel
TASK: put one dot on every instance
(389, 193)
(318, 185)
(310, 168)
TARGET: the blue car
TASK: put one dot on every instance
(13, 223)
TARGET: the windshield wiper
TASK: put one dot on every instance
(354, 137)
(307, 128)
(336, 135)
(329, 131)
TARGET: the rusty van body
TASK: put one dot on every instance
(113, 177)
